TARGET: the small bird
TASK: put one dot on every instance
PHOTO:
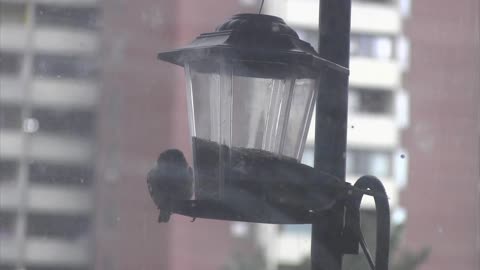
(170, 180)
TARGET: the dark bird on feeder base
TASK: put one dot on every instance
(170, 180)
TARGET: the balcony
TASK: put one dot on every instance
(372, 131)
(9, 195)
(75, 3)
(8, 250)
(11, 90)
(12, 37)
(301, 13)
(372, 73)
(57, 93)
(56, 199)
(64, 40)
(10, 144)
(61, 149)
(293, 248)
(55, 252)
(47, 147)
(376, 18)
(372, 18)
(64, 93)
(59, 199)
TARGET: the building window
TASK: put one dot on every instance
(62, 16)
(76, 123)
(361, 162)
(10, 116)
(65, 66)
(7, 225)
(58, 226)
(372, 46)
(12, 13)
(8, 170)
(373, 101)
(58, 174)
(10, 63)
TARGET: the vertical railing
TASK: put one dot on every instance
(24, 157)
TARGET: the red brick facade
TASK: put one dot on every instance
(443, 193)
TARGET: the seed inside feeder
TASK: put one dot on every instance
(235, 173)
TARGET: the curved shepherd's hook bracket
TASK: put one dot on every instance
(352, 235)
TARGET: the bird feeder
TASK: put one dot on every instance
(251, 89)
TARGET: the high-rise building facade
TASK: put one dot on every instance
(443, 195)
(85, 109)
(48, 99)
(378, 109)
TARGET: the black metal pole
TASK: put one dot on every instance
(331, 126)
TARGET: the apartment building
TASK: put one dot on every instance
(48, 100)
(443, 196)
(378, 109)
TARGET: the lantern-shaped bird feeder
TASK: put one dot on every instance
(251, 89)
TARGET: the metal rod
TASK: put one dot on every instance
(331, 126)
(261, 7)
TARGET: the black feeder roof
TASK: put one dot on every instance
(254, 37)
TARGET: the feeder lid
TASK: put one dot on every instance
(252, 37)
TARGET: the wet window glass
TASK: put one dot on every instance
(87, 106)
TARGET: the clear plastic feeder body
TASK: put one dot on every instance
(240, 111)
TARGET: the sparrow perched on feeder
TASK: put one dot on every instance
(170, 180)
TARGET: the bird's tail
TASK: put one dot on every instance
(164, 216)
(165, 213)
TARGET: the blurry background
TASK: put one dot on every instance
(85, 109)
